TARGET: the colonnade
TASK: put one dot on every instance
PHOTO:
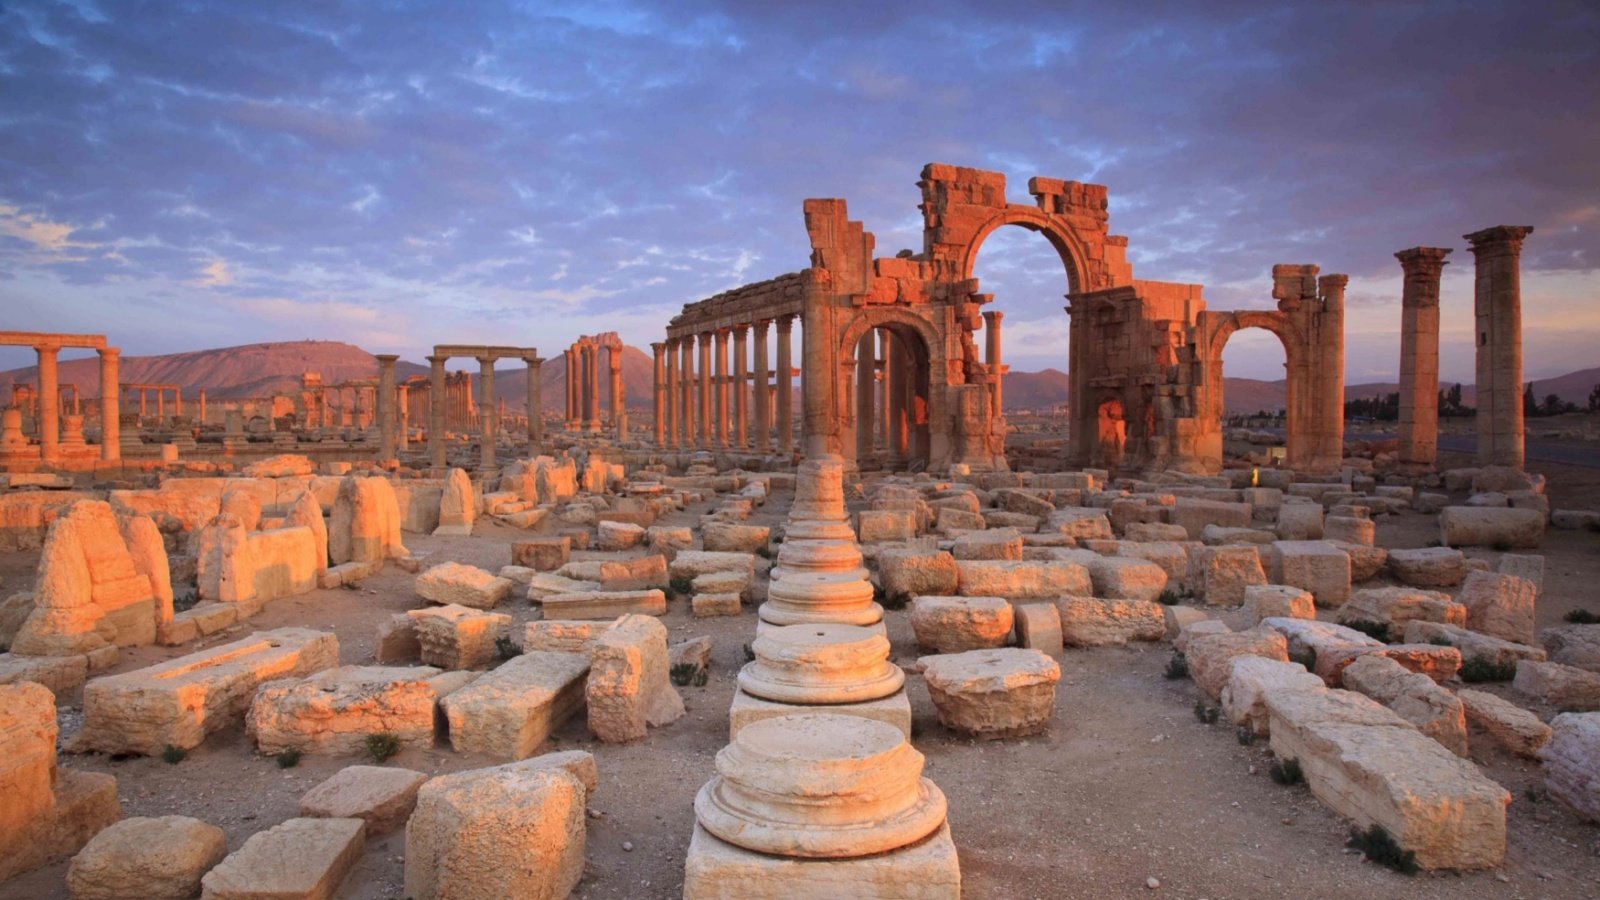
(706, 406)
(48, 347)
(582, 384)
(488, 419)
(159, 391)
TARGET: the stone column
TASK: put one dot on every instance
(898, 390)
(686, 420)
(535, 406)
(591, 379)
(866, 384)
(402, 402)
(670, 400)
(1497, 306)
(705, 390)
(658, 393)
(763, 429)
(991, 357)
(177, 401)
(49, 404)
(721, 367)
(1419, 355)
(436, 399)
(1330, 401)
(488, 424)
(161, 406)
(618, 394)
(885, 342)
(111, 405)
(741, 387)
(785, 395)
(387, 416)
(144, 404)
(202, 407)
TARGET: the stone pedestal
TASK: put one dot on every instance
(747, 710)
(819, 577)
(717, 869)
(821, 664)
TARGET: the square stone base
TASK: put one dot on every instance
(717, 870)
(762, 625)
(746, 710)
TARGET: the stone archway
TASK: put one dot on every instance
(913, 400)
(1064, 239)
(1217, 328)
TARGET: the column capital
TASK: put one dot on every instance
(1422, 259)
(1502, 238)
(993, 315)
(658, 347)
(438, 360)
(740, 330)
(386, 357)
(786, 322)
(109, 352)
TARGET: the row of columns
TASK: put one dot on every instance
(50, 404)
(488, 418)
(582, 385)
(1497, 314)
(704, 406)
(160, 391)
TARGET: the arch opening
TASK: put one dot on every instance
(1256, 394)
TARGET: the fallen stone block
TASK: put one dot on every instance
(60, 674)
(1513, 727)
(1308, 637)
(1155, 532)
(1264, 601)
(380, 796)
(177, 703)
(1000, 543)
(1088, 622)
(1127, 578)
(614, 536)
(1037, 626)
(336, 710)
(509, 712)
(1477, 526)
(1473, 646)
(1572, 762)
(1435, 711)
(709, 606)
(300, 858)
(690, 563)
(397, 640)
(1565, 687)
(640, 574)
(1027, 580)
(1218, 576)
(455, 637)
(1500, 606)
(544, 554)
(1315, 566)
(562, 635)
(907, 573)
(1250, 678)
(629, 686)
(1300, 522)
(1350, 530)
(1428, 567)
(467, 586)
(957, 624)
(729, 538)
(1180, 617)
(1439, 664)
(605, 604)
(148, 858)
(993, 693)
(1210, 655)
(1395, 606)
(1573, 645)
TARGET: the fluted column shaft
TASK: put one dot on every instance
(488, 417)
(658, 392)
(763, 435)
(741, 387)
(671, 400)
(387, 416)
(535, 406)
(991, 337)
(866, 383)
(705, 390)
(49, 404)
(1497, 306)
(785, 396)
(1419, 355)
(111, 405)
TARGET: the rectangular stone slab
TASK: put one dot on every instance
(509, 712)
(717, 870)
(894, 709)
(179, 702)
(301, 859)
(605, 604)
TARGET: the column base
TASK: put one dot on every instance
(747, 709)
(927, 870)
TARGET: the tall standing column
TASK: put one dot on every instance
(866, 383)
(885, 343)
(671, 398)
(566, 389)
(436, 399)
(1330, 355)
(111, 405)
(658, 393)
(177, 400)
(991, 337)
(618, 394)
(686, 397)
(898, 424)
(49, 405)
(161, 407)
(763, 397)
(488, 423)
(741, 387)
(386, 407)
(202, 401)
(144, 404)
(1419, 355)
(785, 397)
(705, 390)
(1497, 306)
(535, 407)
(402, 402)
(591, 386)
(721, 367)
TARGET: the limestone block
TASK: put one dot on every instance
(620, 535)
(1172, 557)
(380, 796)
(469, 586)
(1369, 765)
(458, 506)
(1180, 617)
(1472, 645)
(1037, 626)
(926, 870)
(544, 554)
(1081, 523)
(1215, 535)
(334, 711)
(1088, 622)
(1194, 515)
(1027, 580)
(949, 520)
(1428, 567)
(1365, 562)
(1148, 532)
(1211, 656)
(721, 583)
(1575, 519)
(301, 858)
(1300, 522)
(999, 543)
(1190, 627)
(562, 635)
(28, 733)
(1500, 606)
(690, 563)
(1251, 678)
(605, 604)
(1572, 762)
(178, 702)
(456, 637)
(1437, 662)
(546, 584)
(1308, 636)
(710, 606)
(1127, 578)
(307, 512)
(639, 574)
(993, 693)
(148, 858)
(364, 525)
(485, 834)
(282, 562)
(882, 525)
(396, 640)
(281, 466)
(1573, 645)
(1473, 526)
(1218, 576)
(60, 674)
(1516, 729)
(1350, 530)
(1263, 601)
(1564, 687)
(1395, 606)
(509, 712)
(1499, 479)
(1433, 710)
(910, 573)
(90, 592)
(1524, 565)
(1315, 566)
(629, 686)
(956, 624)
(728, 538)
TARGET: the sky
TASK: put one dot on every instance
(189, 175)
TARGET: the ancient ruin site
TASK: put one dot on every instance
(474, 452)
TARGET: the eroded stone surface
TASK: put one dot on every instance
(993, 693)
(149, 858)
(306, 858)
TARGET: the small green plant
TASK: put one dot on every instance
(1500, 547)
(173, 755)
(682, 674)
(1581, 617)
(765, 552)
(1378, 846)
(749, 653)
(288, 759)
(382, 746)
(1480, 669)
(882, 598)
(1169, 597)
(1287, 772)
(1434, 543)
(1177, 667)
(185, 599)
(1205, 715)
(1246, 735)
(681, 586)
(1306, 657)
(1378, 630)
(1535, 794)
(506, 648)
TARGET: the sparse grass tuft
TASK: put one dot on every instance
(1205, 715)
(382, 746)
(1246, 735)
(1381, 848)
(173, 755)
(1479, 669)
(1378, 630)
(1581, 617)
(1169, 597)
(1287, 772)
(506, 648)
(1500, 547)
(683, 674)
(288, 759)
(1306, 657)
(1535, 794)
(680, 587)
(749, 653)
(184, 599)
(1177, 667)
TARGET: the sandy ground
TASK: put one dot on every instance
(1126, 786)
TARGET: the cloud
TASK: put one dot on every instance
(35, 230)
(215, 274)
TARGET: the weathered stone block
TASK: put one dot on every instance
(1433, 710)
(913, 573)
(509, 712)
(629, 686)
(605, 604)
(1037, 626)
(1572, 762)
(1027, 580)
(151, 859)
(1428, 567)
(455, 637)
(1088, 622)
(1500, 606)
(334, 711)
(993, 693)
(1211, 656)
(957, 624)
(1315, 566)
(1251, 678)
(467, 586)
(1516, 729)
(301, 858)
(1263, 601)
(1475, 526)
(380, 796)
(542, 554)
(1219, 575)
(1564, 687)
